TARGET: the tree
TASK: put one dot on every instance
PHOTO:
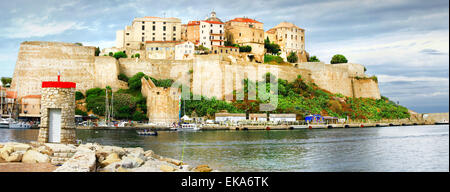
(6, 81)
(292, 58)
(79, 44)
(313, 59)
(229, 41)
(338, 59)
(119, 55)
(134, 83)
(271, 47)
(97, 51)
(247, 48)
(79, 95)
(137, 55)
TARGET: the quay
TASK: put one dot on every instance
(264, 126)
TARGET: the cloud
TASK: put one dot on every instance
(432, 52)
(391, 78)
(38, 27)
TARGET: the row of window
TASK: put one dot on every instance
(203, 26)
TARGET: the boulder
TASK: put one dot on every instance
(202, 168)
(81, 161)
(14, 157)
(32, 156)
(21, 147)
(5, 151)
(166, 168)
(110, 168)
(111, 158)
(112, 149)
(44, 150)
(173, 161)
(131, 162)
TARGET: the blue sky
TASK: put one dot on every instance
(403, 42)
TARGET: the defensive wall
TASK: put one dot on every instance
(209, 75)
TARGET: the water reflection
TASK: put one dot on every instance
(415, 148)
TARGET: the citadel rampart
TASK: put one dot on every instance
(210, 75)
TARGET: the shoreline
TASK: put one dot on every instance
(89, 157)
(269, 127)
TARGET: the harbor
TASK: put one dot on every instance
(396, 148)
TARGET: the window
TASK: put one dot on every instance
(153, 33)
(143, 33)
(174, 34)
(211, 31)
(174, 28)
(153, 22)
(164, 28)
(220, 31)
(154, 27)
(143, 39)
(240, 34)
(156, 48)
(153, 39)
(164, 38)
(164, 23)
(128, 33)
(143, 27)
(211, 25)
(164, 34)
(174, 39)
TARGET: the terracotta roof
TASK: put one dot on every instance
(193, 23)
(226, 46)
(213, 22)
(11, 94)
(245, 20)
(31, 96)
(216, 40)
(162, 41)
(183, 42)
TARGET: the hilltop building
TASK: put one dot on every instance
(209, 32)
(246, 32)
(184, 50)
(148, 29)
(290, 38)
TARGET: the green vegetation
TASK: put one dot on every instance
(202, 48)
(97, 51)
(110, 54)
(206, 106)
(313, 59)
(79, 44)
(271, 47)
(119, 55)
(245, 49)
(137, 55)
(375, 78)
(307, 98)
(123, 77)
(273, 59)
(292, 58)
(80, 112)
(6, 81)
(79, 96)
(338, 59)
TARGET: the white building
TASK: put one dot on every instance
(212, 32)
(184, 50)
(258, 117)
(282, 117)
(231, 117)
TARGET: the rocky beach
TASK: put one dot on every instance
(90, 157)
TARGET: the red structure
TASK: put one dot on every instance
(58, 84)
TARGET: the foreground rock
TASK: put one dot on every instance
(93, 157)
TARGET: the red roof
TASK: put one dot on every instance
(245, 20)
(58, 84)
(216, 40)
(31, 96)
(193, 23)
(227, 46)
(213, 22)
(162, 41)
(11, 94)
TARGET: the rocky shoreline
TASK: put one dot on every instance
(91, 157)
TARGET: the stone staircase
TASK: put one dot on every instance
(60, 153)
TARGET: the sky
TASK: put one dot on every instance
(405, 43)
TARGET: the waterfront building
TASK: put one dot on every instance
(282, 117)
(290, 38)
(246, 32)
(232, 117)
(30, 107)
(258, 117)
(148, 29)
(7, 102)
(184, 50)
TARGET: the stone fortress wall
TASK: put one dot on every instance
(211, 75)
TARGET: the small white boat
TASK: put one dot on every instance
(443, 122)
(4, 123)
(189, 127)
(19, 125)
(147, 133)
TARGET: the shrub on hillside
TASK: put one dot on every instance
(119, 55)
(79, 96)
(272, 58)
(134, 83)
(123, 77)
(313, 59)
(338, 59)
(292, 58)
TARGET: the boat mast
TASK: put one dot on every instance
(106, 107)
